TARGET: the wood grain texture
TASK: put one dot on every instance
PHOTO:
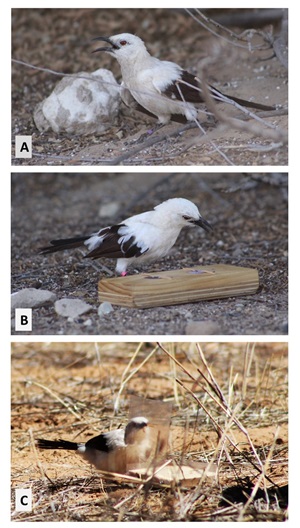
(194, 284)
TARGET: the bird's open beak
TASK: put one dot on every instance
(204, 224)
(110, 48)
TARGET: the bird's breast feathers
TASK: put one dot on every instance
(155, 78)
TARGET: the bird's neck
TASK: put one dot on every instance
(135, 63)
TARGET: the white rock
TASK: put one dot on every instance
(71, 308)
(80, 106)
(105, 308)
(109, 209)
(202, 328)
(31, 298)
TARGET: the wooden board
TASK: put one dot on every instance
(146, 290)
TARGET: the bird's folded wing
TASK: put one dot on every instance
(116, 242)
(185, 88)
(107, 441)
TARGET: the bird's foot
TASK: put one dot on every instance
(149, 132)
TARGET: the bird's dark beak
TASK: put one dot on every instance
(110, 48)
(203, 223)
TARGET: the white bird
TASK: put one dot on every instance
(161, 88)
(142, 238)
(115, 451)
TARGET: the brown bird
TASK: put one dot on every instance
(115, 451)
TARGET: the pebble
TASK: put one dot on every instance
(109, 209)
(105, 308)
(71, 308)
(31, 298)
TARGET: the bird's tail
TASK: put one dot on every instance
(243, 102)
(64, 243)
(57, 444)
(251, 104)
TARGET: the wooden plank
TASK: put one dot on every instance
(186, 285)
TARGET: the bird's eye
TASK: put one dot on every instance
(186, 217)
(123, 42)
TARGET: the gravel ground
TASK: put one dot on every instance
(60, 40)
(249, 215)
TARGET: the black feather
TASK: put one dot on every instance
(57, 444)
(111, 248)
(63, 243)
(188, 88)
(99, 442)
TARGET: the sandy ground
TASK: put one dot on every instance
(68, 390)
(249, 216)
(60, 40)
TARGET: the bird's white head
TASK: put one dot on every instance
(124, 47)
(183, 212)
(134, 427)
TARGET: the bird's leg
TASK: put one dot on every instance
(149, 132)
(124, 273)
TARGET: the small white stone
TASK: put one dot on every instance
(109, 209)
(80, 106)
(71, 308)
(105, 308)
(31, 298)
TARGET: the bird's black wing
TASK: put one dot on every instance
(103, 442)
(98, 442)
(188, 88)
(112, 245)
(109, 245)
